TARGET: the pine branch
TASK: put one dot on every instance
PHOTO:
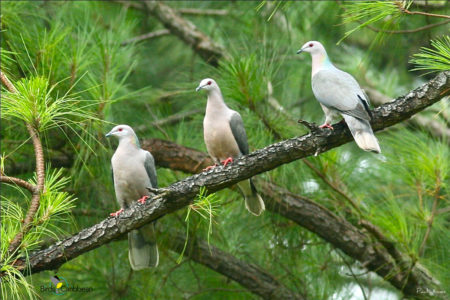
(202, 44)
(180, 194)
(146, 36)
(40, 174)
(431, 125)
(250, 276)
(418, 29)
(20, 182)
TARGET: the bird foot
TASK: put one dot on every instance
(209, 168)
(325, 125)
(227, 161)
(115, 214)
(142, 200)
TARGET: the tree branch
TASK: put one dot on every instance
(250, 276)
(40, 174)
(187, 32)
(402, 31)
(203, 12)
(19, 182)
(181, 193)
(146, 36)
(431, 125)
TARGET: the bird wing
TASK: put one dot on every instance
(238, 130)
(149, 164)
(339, 90)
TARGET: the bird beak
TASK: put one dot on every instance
(299, 51)
(108, 134)
(199, 88)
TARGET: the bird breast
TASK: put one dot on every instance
(130, 178)
(219, 139)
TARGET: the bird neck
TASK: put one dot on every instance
(215, 102)
(320, 61)
(130, 140)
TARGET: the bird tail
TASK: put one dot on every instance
(142, 248)
(253, 201)
(363, 134)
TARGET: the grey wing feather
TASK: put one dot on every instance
(150, 168)
(340, 91)
(238, 130)
(112, 175)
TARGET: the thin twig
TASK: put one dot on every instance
(19, 182)
(387, 243)
(173, 119)
(184, 11)
(203, 12)
(425, 14)
(147, 36)
(353, 274)
(331, 184)
(426, 27)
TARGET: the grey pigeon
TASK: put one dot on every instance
(225, 139)
(338, 92)
(133, 171)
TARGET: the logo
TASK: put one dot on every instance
(60, 286)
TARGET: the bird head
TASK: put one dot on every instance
(207, 84)
(121, 131)
(312, 47)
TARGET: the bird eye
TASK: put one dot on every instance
(311, 44)
(209, 83)
(120, 129)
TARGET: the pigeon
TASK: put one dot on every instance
(225, 139)
(133, 171)
(338, 92)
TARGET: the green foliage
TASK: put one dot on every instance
(33, 104)
(367, 13)
(54, 211)
(434, 60)
(75, 76)
(206, 206)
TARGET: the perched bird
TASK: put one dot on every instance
(133, 171)
(225, 139)
(338, 91)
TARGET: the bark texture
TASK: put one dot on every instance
(187, 32)
(181, 193)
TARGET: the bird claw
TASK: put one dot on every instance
(227, 161)
(115, 214)
(209, 168)
(325, 125)
(142, 200)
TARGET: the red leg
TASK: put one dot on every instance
(209, 168)
(325, 125)
(227, 161)
(115, 214)
(142, 200)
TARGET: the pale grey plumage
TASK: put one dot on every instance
(338, 91)
(134, 171)
(225, 137)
